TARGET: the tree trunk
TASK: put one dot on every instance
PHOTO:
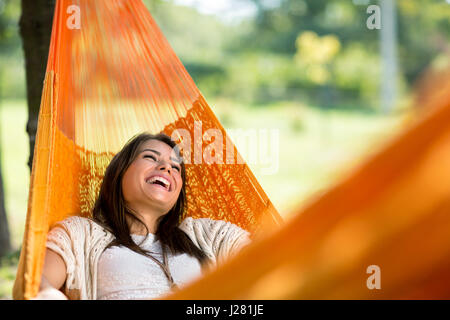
(35, 29)
(388, 45)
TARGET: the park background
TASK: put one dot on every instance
(311, 69)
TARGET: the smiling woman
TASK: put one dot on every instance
(153, 181)
(135, 247)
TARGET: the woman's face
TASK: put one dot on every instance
(153, 180)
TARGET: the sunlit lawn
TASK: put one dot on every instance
(316, 148)
(14, 157)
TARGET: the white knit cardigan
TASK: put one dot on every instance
(81, 241)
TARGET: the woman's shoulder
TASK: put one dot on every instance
(208, 226)
(218, 239)
(76, 224)
(190, 223)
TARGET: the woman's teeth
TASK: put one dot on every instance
(159, 180)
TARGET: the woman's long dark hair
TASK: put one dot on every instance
(110, 209)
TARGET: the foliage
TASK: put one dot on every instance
(12, 75)
(273, 55)
(9, 14)
(315, 54)
(353, 75)
(8, 269)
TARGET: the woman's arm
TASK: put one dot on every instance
(54, 275)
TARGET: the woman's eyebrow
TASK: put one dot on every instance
(159, 153)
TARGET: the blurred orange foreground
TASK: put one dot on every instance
(391, 215)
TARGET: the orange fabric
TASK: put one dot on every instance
(115, 77)
(392, 212)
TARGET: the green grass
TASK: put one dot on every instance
(316, 149)
(8, 268)
(14, 156)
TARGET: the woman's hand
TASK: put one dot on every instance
(50, 293)
(52, 275)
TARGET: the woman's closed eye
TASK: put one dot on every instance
(154, 159)
(150, 156)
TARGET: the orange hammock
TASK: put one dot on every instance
(391, 213)
(110, 75)
(382, 233)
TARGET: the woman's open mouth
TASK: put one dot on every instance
(159, 182)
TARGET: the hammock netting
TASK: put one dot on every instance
(117, 76)
(114, 77)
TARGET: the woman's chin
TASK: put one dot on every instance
(160, 199)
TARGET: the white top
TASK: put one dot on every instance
(125, 274)
(81, 242)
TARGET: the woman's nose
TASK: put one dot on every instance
(163, 165)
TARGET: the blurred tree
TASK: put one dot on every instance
(279, 22)
(10, 50)
(388, 44)
(35, 29)
(423, 32)
(277, 26)
(314, 55)
(201, 46)
(9, 42)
